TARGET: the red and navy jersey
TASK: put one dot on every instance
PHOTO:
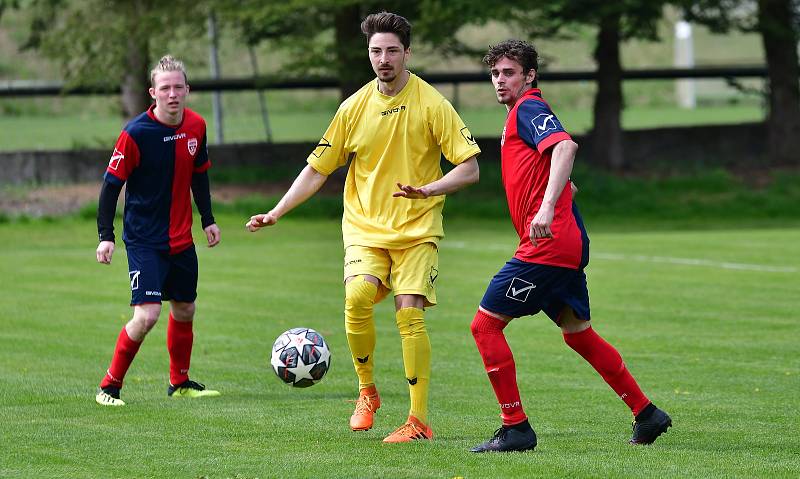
(530, 132)
(157, 162)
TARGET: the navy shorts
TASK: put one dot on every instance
(522, 289)
(159, 276)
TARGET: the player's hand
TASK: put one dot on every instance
(105, 250)
(261, 220)
(540, 226)
(212, 234)
(411, 192)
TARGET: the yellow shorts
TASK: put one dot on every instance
(405, 271)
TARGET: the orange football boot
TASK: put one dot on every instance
(368, 402)
(412, 430)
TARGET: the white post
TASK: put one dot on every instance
(684, 58)
(216, 97)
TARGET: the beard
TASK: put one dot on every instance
(387, 76)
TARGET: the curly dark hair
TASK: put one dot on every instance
(386, 22)
(520, 51)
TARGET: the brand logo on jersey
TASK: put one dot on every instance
(134, 279)
(503, 137)
(192, 144)
(116, 158)
(393, 110)
(519, 289)
(174, 137)
(468, 136)
(321, 147)
(543, 123)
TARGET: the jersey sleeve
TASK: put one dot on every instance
(450, 133)
(538, 126)
(201, 161)
(124, 159)
(330, 153)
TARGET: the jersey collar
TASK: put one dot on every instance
(151, 113)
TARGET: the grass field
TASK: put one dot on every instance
(75, 129)
(706, 320)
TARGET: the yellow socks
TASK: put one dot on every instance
(360, 327)
(416, 358)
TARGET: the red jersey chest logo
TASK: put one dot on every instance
(192, 145)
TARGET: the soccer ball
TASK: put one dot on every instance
(300, 357)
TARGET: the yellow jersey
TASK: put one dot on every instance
(390, 140)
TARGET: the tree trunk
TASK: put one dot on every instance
(136, 79)
(778, 33)
(607, 130)
(352, 62)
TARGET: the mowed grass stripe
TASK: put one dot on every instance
(715, 347)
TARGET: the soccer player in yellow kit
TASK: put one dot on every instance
(393, 131)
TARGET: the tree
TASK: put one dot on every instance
(4, 4)
(109, 42)
(615, 22)
(777, 23)
(321, 37)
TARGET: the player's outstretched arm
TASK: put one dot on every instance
(308, 182)
(462, 175)
(560, 168)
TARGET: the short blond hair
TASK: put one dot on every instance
(168, 63)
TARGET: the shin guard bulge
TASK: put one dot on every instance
(180, 339)
(359, 325)
(499, 362)
(416, 358)
(606, 360)
(124, 352)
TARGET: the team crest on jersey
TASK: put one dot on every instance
(192, 144)
(116, 158)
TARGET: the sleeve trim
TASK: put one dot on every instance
(552, 140)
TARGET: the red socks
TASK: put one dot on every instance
(607, 361)
(124, 353)
(179, 345)
(488, 333)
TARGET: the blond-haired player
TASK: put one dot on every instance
(160, 157)
(393, 131)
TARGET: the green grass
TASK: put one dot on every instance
(699, 198)
(716, 347)
(77, 130)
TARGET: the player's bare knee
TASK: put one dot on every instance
(144, 320)
(182, 311)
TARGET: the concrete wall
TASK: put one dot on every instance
(726, 145)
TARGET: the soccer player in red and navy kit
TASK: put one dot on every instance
(161, 156)
(546, 273)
